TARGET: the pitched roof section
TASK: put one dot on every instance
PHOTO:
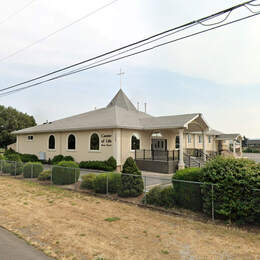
(169, 122)
(121, 100)
(119, 113)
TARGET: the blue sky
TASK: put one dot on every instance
(216, 74)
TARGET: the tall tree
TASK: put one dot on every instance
(11, 120)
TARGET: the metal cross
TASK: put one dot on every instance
(120, 74)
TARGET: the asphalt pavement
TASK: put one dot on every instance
(14, 248)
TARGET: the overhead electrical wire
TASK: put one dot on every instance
(57, 31)
(182, 27)
(16, 12)
(100, 63)
(91, 66)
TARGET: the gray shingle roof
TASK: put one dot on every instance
(119, 113)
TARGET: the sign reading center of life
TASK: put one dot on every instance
(106, 140)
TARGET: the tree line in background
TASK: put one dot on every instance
(12, 120)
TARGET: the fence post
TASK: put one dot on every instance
(212, 202)
(31, 171)
(144, 154)
(51, 176)
(189, 160)
(107, 185)
(75, 185)
(145, 190)
(15, 169)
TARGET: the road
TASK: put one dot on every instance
(252, 156)
(14, 248)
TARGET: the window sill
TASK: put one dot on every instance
(52, 150)
(94, 151)
(71, 150)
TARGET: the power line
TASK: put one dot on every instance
(126, 56)
(16, 12)
(169, 31)
(57, 31)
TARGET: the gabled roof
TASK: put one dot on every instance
(121, 100)
(119, 113)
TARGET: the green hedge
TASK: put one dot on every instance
(66, 172)
(100, 183)
(96, 165)
(88, 181)
(57, 158)
(234, 196)
(162, 197)
(32, 169)
(28, 158)
(13, 168)
(131, 182)
(45, 175)
(188, 195)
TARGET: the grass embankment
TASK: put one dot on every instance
(70, 225)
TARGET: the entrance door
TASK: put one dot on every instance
(159, 148)
(159, 144)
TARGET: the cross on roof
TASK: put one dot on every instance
(120, 74)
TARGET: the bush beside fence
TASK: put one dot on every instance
(32, 170)
(65, 173)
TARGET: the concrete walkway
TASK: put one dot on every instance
(14, 248)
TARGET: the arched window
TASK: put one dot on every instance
(52, 142)
(135, 142)
(94, 142)
(71, 142)
(177, 142)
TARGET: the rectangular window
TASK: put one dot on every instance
(30, 137)
(200, 139)
(189, 139)
(209, 139)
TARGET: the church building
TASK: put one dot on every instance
(161, 144)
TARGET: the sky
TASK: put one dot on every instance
(216, 73)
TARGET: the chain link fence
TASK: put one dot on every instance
(188, 194)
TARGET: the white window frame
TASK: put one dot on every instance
(67, 143)
(138, 137)
(89, 146)
(189, 137)
(51, 150)
(28, 139)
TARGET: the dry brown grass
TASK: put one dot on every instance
(70, 225)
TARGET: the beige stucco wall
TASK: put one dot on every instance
(82, 151)
(112, 142)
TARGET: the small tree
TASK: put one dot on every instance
(131, 180)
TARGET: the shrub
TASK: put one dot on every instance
(100, 183)
(13, 157)
(188, 195)
(234, 195)
(131, 182)
(32, 169)
(88, 181)
(29, 158)
(112, 162)
(66, 172)
(68, 158)
(13, 168)
(9, 151)
(162, 197)
(45, 175)
(57, 158)
(1, 157)
(97, 165)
